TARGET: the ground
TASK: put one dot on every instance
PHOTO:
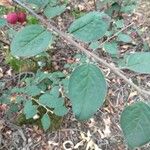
(102, 132)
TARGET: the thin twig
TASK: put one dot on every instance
(18, 76)
(113, 36)
(4, 42)
(67, 37)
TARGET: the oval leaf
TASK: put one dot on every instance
(32, 90)
(51, 12)
(135, 123)
(60, 110)
(87, 90)
(30, 41)
(90, 27)
(111, 48)
(29, 109)
(39, 3)
(124, 38)
(138, 62)
(51, 101)
(46, 122)
(94, 45)
(119, 23)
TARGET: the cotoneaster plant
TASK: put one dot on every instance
(86, 86)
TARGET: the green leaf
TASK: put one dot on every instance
(4, 100)
(46, 122)
(32, 90)
(115, 8)
(50, 100)
(54, 2)
(31, 20)
(61, 110)
(135, 123)
(2, 22)
(111, 48)
(18, 90)
(20, 99)
(76, 13)
(146, 47)
(39, 3)
(13, 108)
(109, 33)
(138, 62)
(51, 12)
(94, 45)
(90, 27)
(124, 38)
(87, 90)
(40, 76)
(55, 91)
(119, 23)
(30, 41)
(58, 75)
(128, 9)
(65, 83)
(29, 109)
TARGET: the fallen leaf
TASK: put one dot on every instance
(132, 94)
(107, 132)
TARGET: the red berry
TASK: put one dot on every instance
(12, 18)
(21, 17)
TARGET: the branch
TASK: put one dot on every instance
(113, 36)
(67, 37)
